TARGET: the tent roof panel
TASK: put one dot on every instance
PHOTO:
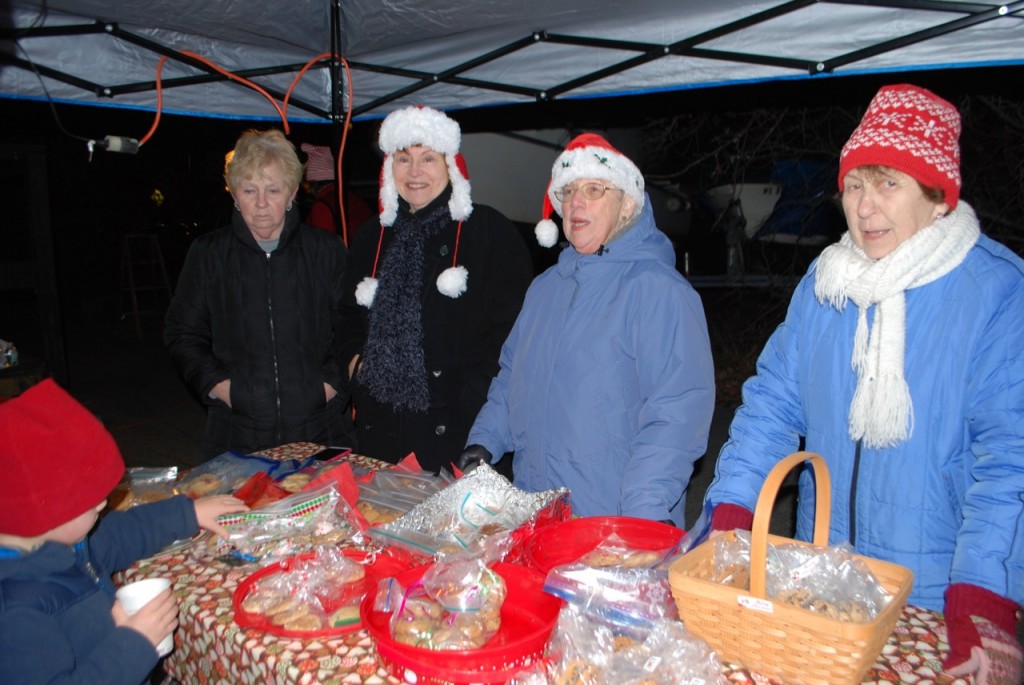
(474, 53)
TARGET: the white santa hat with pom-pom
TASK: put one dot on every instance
(589, 156)
(430, 128)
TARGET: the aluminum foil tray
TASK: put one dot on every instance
(481, 504)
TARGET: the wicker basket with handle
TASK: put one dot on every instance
(774, 639)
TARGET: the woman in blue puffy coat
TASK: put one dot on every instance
(901, 362)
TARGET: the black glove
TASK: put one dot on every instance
(473, 456)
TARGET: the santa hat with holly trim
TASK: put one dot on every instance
(589, 156)
(430, 128)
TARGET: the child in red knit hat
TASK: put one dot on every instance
(59, 619)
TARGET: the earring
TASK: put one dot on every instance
(237, 207)
(624, 217)
(288, 208)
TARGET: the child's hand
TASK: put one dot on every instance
(209, 508)
(156, 620)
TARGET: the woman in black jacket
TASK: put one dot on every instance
(253, 326)
(430, 294)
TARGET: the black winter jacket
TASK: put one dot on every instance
(269, 322)
(462, 336)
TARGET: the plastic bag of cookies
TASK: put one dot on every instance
(223, 474)
(830, 581)
(587, 652)
(455, 606)
(296, 524)
(143, 484)
(315, 592)
(614, 551)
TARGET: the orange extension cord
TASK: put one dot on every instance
(281, 111)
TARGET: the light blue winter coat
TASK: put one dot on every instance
(606, 383)
(947, 503)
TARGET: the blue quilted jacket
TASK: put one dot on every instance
(949, 502)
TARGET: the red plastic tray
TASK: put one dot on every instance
(528, 616)
(385, 564)
(565, 542)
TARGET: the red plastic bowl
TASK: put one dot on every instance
(565, 542)
(384, 565)
(528, 616)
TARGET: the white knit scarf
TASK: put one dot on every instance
(882, 412)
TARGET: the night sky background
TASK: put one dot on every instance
(95, 202)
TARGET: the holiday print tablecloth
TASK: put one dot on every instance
(210, 649)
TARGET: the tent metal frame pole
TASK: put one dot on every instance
(43, 70)
(114, 30)
(337, 83)
(429, 80)
(976, 17)
(964, 16)
(214, 76)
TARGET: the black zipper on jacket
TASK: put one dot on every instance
(853, 495)
(278, 436)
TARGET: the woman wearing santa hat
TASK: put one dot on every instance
(430, 293)
(607, 383)
(901, 362)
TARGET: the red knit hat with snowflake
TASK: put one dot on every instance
(589, 156)
(913, 130)
(402, 129)
(57, 459)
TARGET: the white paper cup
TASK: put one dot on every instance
(134, 596)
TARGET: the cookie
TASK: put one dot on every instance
(640, 559)
(305, 621)
(295, 482)
(351, 573)
(345, 616)
(600, 558)
(577, 672)
(202, 485)
(375, 515)
(282, 606)
(620, 642)
(261, 600)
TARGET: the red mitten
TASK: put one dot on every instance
(981, 627)
(730, 517)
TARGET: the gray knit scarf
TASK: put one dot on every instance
(393, 368)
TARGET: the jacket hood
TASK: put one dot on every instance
(50, 558)
(642, 241)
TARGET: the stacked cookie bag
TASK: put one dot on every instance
(456, 606)
(619, 625)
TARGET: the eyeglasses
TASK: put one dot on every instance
(590, 191)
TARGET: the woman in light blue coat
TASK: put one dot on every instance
(901, 362)
(606, 382)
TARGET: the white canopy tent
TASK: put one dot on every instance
(468, 53)
(204, 58)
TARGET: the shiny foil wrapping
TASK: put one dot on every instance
(481, 504)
